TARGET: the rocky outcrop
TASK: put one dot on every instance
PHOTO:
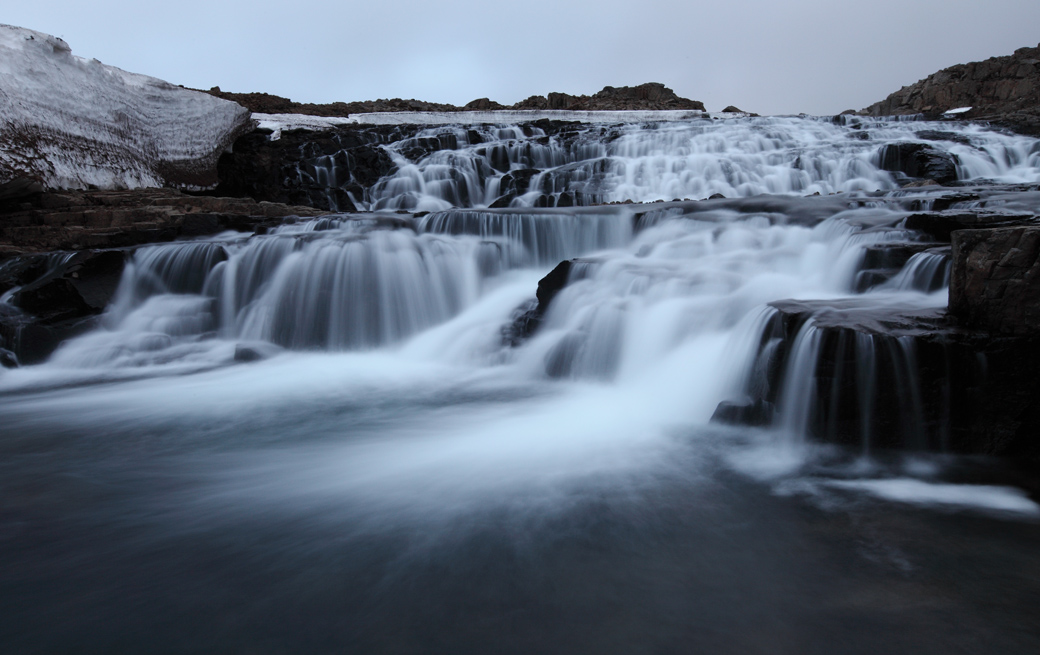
(897, 378)
(75, 220)
(328, 170)
(265, 103)
(1001, 89)
(528, 318)
(995, 282)
(918, 160)
(70, 122)
(959, 380)
(650, 96)
(56, 297)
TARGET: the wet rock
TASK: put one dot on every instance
(995, 280)
(255, 352)
(316, 169)
(940, 225)
(918, 160)
(754, 413)
(78, 220)
(528, 318)
(938, 135)
(62, 302)
(8, 359)
(903, 378)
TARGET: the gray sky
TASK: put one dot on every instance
(771, 57)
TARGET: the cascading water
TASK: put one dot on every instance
(545, 165)
(341, 409)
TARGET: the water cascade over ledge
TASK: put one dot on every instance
(494, 400)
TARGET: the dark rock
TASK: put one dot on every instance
(891, 377)
(1004, 90)
(317, 169)
(61, 303)
(732, 110)
(483, 104)
(502, 201)
(254, 352)
(941, 224)
(995, 280)
(651, 96)
(937, 135)
(77, 220)
(528, 318)
(8, 359)
(918, 160)
(892, 254)
(755, 413)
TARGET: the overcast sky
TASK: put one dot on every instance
(767, 56)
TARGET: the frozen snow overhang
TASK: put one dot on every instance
(71, 122)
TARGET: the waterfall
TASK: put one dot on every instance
(558, 165)
(677, 297)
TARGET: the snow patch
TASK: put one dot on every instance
(71, 122)
(279, 122)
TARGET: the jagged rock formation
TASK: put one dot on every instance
(1005, 90)
(73, 220)
(70, 122)
(650, 96)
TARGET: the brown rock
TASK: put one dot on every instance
(1005, 90)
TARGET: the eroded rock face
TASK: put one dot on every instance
(71, 123)
(318, 169)
(1004, 89)
(995, 281)
(898, 378)
(76, 220)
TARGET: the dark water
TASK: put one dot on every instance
(393, 477)
(378, 527)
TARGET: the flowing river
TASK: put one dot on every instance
(330, 437)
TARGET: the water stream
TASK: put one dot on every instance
(319, 440)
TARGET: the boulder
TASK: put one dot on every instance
(918, 160)
(528, 317)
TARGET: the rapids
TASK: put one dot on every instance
(321, 435)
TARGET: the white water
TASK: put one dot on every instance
(400, 319)
(521, 166)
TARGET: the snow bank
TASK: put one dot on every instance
(279, 122)
(70, 122)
